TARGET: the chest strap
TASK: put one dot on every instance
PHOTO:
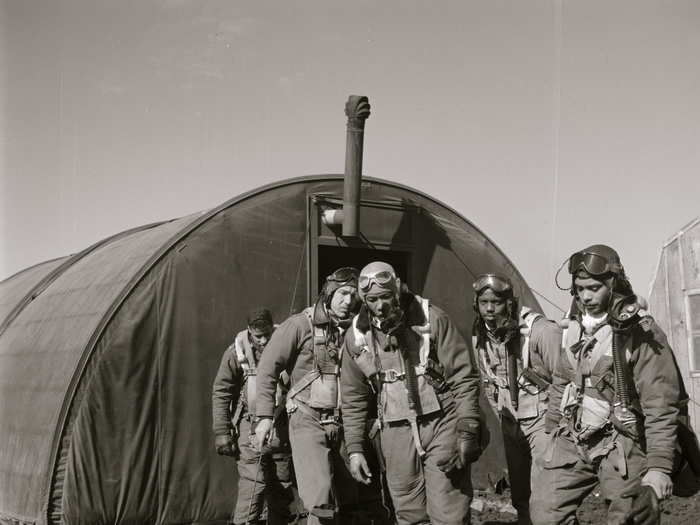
(244, 354)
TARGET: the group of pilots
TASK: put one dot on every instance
(368, 402)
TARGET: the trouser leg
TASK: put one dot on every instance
(312, 464)
(448, 495)
(525, 442)
(359, 504)
(519, 462)
(278, 487)
(404, 474)
(251, 485)
(619, 471)
(566, 481)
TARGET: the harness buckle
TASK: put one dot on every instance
(329, 419)
(390, 375)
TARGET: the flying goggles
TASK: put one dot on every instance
(343, 275)
(592, 263)
(498, 283)
(382, 277)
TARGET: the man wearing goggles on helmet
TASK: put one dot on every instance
(516, 350)
(308, 346)
(614, 401)
(405, 355)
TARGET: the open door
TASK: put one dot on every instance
(331, 258)
(385, 235)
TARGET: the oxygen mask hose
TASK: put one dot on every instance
(512, 365)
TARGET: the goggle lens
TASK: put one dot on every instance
(381, 278)
(497, 283)
(343, 275)
(592, 263)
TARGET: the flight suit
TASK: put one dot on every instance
(264, 483)
(307, 346)
(522, 424)
(593, 441)
(422, 379)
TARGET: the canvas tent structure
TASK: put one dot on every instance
(674, 301)
(107, 356)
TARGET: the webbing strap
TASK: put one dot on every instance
(528, 317)
(303, 383)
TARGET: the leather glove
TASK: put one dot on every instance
(468, 441)
(645, 507)
(226, 446)
(359, 468)
(467, 447)
(332, 431)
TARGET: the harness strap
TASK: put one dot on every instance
(244, 354)
(238, 412)
(528, 318)
(303, 383)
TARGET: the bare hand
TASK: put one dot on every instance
(660, 482)
(359, 468)
(262, 432)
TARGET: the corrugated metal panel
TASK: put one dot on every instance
(40, 352)
(672, 291)
(690, 247)
(14, 288)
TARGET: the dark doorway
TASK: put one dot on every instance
(331, 258)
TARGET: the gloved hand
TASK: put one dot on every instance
(645, 507)
(226, 446)
(263, 427)
(467, 447)
(332, 431)
(359, 468)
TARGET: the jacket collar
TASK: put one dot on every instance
(320, 316)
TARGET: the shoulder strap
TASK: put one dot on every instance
(313, 374)
(243, 351)
(528, 318)
(424, 330)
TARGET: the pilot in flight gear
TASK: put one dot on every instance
(308, 346)
(516, 350)
(614, 401)
(405, 356)
(267, 498)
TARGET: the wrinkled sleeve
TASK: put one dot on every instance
(461, 372)
(556, 392)
(355, 395)
(546, 342)
(657, 384)
(225, 392)
(279, 354)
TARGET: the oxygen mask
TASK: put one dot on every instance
(624, 309)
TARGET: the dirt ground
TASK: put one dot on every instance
(497, 510)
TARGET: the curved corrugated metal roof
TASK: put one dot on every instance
(59, 319)
(15, 288)
(50, 335)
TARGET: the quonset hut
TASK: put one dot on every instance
(674, 301)
(107, 356)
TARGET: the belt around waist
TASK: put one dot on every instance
(419, 419)
(320, 412)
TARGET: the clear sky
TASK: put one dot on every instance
(550, 124)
